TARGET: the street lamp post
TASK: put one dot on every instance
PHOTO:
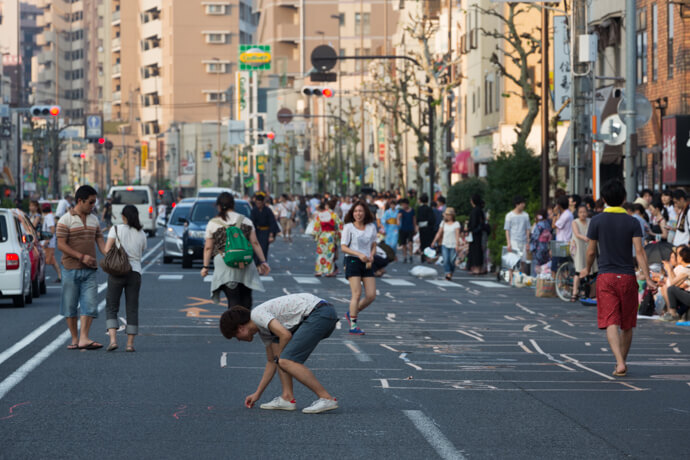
(339, 159)
(218, 98)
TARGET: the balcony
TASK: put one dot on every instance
(116, 44)
(149, 114)
(117, 69)
(45, 57)
(151, 57)
(115, 19)
(288, 33)
(147, 5)
(152, 29)
(117, 97)
(151, 85)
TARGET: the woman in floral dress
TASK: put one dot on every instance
(327, 228)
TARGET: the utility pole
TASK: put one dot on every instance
(630, 86)
(581, 85)
(544, 108)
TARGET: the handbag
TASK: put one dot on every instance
(469, 238)
(116, 261)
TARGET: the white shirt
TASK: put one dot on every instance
(682, 236)
(288, 310)
(345, 207)
(62, 207)
(133, 241)
(517, 225)
(360, 241)
(49, 221)
(449, 239)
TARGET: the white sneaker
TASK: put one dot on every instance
(278, 403)
(321, 405)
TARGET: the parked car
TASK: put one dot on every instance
(15, 262)
(36, 254)
(172, 239)
(140, 196)
(203, 210)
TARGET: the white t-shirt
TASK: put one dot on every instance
(682, 236)
(517, 225)
(62, 207)
(134, 242)
(288, 310)
(359, 240)
(232, 218)
(49, 221)
(449, 239)
(345, 207)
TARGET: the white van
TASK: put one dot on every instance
(140, 196)
(213, 192)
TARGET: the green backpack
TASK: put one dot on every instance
(238, 251)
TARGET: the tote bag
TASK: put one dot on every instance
(116, 262)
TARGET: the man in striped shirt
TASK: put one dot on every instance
(77, 231)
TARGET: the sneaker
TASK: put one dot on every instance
(278, 403)
(321, 405)
(356, 331)
(347, 316)
(669, 317)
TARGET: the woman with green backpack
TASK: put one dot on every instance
(231, 243)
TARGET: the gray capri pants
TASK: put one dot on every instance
(317, 326)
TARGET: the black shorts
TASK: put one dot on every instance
(355, 267)
(405, 237)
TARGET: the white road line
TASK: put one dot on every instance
(603, 349)
(479, 339)
(384, 383)
(306, 280)
(338, 325)
(443, 447)
(343, 280)
(587, 344)
(396, 282)
(472, 301)
(548, 328)
(509, 318)
(524, 308)
(390, 317)
(527, 350)
(359, 354)
(575, 362)
(208, 278)
(286, 291)
(673, 344)
(489, 284)
(565, 367)
(444, 283)
(568, 323)
(224, 359)
(341, 300)
(414, 366)
(676, 349)
(7, 354)
(170, 277)
(266, 278)
(528, 327)
(456, 301)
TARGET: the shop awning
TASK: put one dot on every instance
(463, 162)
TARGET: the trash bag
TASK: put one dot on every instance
(421, 271)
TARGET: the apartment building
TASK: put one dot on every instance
(70, 63)
(172, 63)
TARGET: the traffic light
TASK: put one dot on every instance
(6, 128)
(45, 110)
(317, 91)
(82, 155)
(270, 135)
(101, 140)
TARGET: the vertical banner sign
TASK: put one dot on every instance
(144, 154)
(242, 95)
(561, 59)
(260, 163)
(382, 142)
(668, 152)
(245, 164)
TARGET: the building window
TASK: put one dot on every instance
(488, 94)
(216, 9)
(669, 46)
(655, 42)
(642, 46)
(361, 64)
(218, 38)
(362, 24)
(215, 96)
(217, 67)
(497, 91)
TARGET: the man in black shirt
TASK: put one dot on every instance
(616, 233)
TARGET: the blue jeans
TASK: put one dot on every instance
(79, 289)
(449, 255)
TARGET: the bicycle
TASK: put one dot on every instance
(565, 276)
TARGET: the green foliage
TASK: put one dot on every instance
(511, 173)
(460, 193)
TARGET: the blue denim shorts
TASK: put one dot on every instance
(314, 328)
(79, 293)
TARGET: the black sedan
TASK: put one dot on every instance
(193, 236)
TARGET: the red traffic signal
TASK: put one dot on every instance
(271, 135)
(101, 140)
(161, 192)
(55, 110)
(45, 110)
(317, 91)
(82, 155)
(327, 92)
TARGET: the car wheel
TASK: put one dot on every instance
(42, 286)
(18, 301)
(35, 288)
(167, 259)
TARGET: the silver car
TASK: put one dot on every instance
(172, 240)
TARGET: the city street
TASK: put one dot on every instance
(463, 369)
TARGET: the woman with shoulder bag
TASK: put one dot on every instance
(236, 283)
(129, 236)
(359, 247)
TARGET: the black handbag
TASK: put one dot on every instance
(116, 261)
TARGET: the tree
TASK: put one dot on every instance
(519, 49)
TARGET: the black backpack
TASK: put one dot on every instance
(647, 304)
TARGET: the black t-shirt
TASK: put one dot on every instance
(615, 233)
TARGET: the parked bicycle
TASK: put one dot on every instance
(565, 276)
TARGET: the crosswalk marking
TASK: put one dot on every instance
(344, 281)
(488, 284)
(306, 280)
(266, 278)
(443, 283)
(396, 282)
(170, 277)
(208, 278)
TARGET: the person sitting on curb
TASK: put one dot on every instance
(311, 319)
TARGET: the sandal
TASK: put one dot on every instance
(130, 349)
(620, 374)
(574, 297)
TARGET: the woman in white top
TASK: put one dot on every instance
(129, 236)
(49, 245)
(359, 246)
(449, 236)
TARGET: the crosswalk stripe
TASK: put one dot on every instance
(344, 281)
(170, 277)
(208, 278)
(396, 282)
(443, 283)
(489, 284)
(266, 278)
(306, 280)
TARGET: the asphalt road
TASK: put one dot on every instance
(468, 369)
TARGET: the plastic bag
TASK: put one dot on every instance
(421, 271)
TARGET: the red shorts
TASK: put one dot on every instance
(617, 300)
